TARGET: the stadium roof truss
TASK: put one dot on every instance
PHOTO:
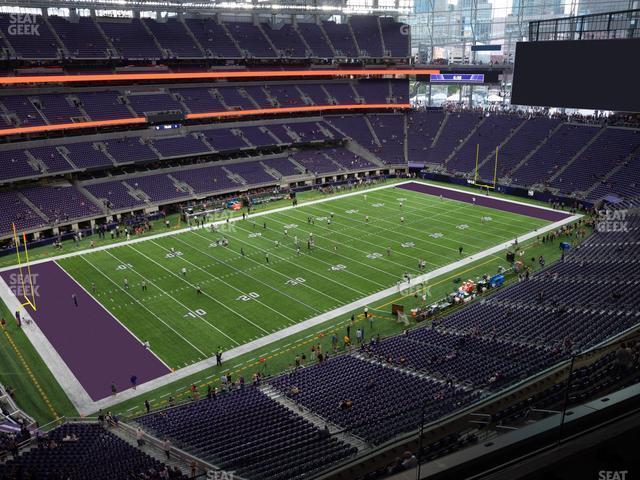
(236, 7)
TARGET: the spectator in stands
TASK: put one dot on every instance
(409, 460)
(624, 359)
(166, 447)
(139, 437)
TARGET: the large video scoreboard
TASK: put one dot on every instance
(591, 74)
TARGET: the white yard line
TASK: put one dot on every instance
(230, 286)
(330, 264)
(219, 222)
(446, 202)
(187, 309)
(262, 342)
(391, 234)
(398, 226)
(111, 314)
(143, 306)
(268, 212)
(83, 402)
(243, 273)
(60, 370)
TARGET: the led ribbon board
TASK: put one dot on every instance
(457, 78)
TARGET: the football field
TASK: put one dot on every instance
(188, 295)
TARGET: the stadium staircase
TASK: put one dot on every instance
(491, 156)
(64, 152)
(35, 162)
(613, 171)
(326, 37)
(532, 152)
(33, 207)
(307, 100)
(301, 168)
(243, 93)
(61, 46)
(271, 171)
(91, 197)
(151, 446)
(137, 193)
(440, 130)
(166, 53)
(268, 39)
(331, 99)
(307, 48)
(75, 101)
(113, 51)
(405, 138)
(215, 93)
(234, 177)
(105, 151)
(464, 141)
(313, 418)
(359, 98)
(385, 52)
(576, 156)
(244, 53)
(355, 41)
(184, 186)
(6, 45)
(193, 38)
(355, 147)
(153, 148)
(372, 131)
(407, 370)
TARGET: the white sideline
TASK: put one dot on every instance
(260, 214)
(86, 406)
(62, 373)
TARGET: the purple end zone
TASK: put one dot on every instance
(486, 201)
(95, 346)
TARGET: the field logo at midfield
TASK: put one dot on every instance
(24, 25)
(609, 221)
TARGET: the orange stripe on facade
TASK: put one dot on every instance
(70, 126)
(315, 108)
(119, 77)
(232, 113)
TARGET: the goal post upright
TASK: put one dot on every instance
(475, 177)
(495, 170)
(25, 293)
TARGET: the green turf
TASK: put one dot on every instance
(280, 355)
(48, 251)
(22, 369)
(245, 298)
